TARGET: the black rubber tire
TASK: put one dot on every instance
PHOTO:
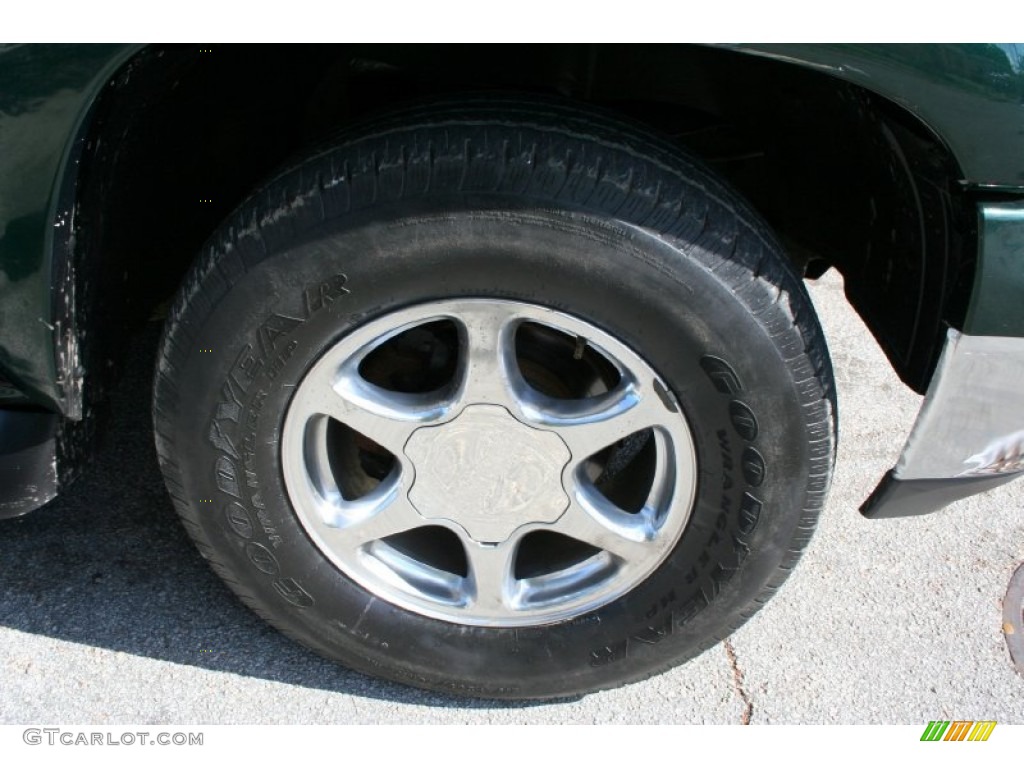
(539, 203)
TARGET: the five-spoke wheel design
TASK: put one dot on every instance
(488, 462)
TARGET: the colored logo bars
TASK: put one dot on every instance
(958, 730)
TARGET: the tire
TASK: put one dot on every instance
(561, 353)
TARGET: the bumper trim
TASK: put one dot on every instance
(28, 461)
(969, 433)
(973, 415)
(906, 498)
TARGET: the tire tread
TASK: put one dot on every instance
(557, 156)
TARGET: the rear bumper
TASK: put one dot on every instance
(28, 460)
(969, 434)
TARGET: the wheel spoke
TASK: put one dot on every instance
(588, 426)
(488, 369)
(594, 520)
(577, 578)
(491, 579)
(389, 516)
(387, 418)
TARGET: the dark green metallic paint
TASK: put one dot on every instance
(972, 96)
(997, 303)
(45, 94)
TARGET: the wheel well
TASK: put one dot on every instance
(181, 134)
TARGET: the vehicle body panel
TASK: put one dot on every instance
(46, 92)
(997, 308)
(971, 97)
(965, 93)
(969, 433)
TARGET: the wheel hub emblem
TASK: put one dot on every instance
(488, 472)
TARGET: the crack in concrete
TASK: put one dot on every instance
(737, 682)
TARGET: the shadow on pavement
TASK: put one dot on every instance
(108, 564)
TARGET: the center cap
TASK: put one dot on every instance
(488, 472)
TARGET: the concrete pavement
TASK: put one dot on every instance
(109, 615)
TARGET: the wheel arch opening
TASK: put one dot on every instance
(846, 178)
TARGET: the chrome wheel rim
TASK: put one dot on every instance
(547, 451)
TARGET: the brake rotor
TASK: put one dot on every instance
(1013, 618)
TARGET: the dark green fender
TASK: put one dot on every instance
(972, 96)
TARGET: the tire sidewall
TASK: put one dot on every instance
(719, 360)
